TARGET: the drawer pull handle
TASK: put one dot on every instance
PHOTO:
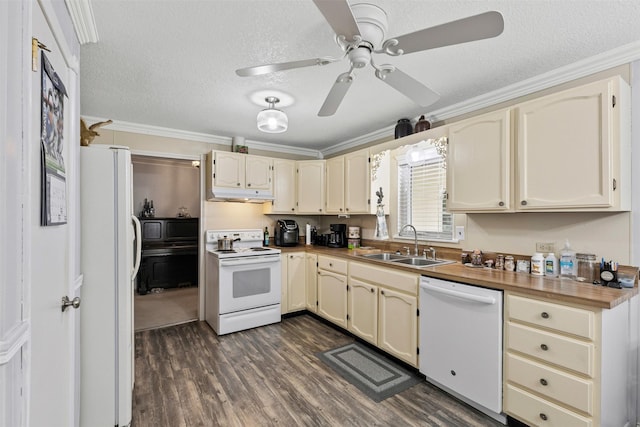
(543, 416)
(544, 347)
(382, 292)
(544, 315)
(330, 265)
(372, 290)
(543, 381)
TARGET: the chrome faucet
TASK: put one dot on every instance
(415, 237)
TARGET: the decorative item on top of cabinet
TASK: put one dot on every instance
(422, 124)
(403, 128)
(380, 172)
(479, 164)
(574, 149)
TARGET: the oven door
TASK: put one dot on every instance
(249, 282)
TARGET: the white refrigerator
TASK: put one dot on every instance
(111, 248)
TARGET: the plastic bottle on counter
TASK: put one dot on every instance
(568, 262)
(551, 265)
(537, 264)
(266, 236)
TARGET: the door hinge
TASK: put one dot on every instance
(418, 312)
(347, 317)
(369, 159)
(417, 350)
(615, 184)
(347, 288)
(368, 201)
(317, 265)
(613, 101)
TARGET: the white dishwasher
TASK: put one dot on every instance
(461, 342)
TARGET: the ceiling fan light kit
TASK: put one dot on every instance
(271, 120)
(361, 30)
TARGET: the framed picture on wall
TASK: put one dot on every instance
(54, 181)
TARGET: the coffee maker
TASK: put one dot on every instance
(338, 236)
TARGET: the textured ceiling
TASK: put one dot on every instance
(171, 63)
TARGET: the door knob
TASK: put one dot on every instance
(66, 302)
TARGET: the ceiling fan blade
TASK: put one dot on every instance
(338, 14)
(407, 85)
(336, 95)
(281, 66)
(477, 27)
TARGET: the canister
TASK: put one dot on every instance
(588, 269)
(499, 262)
(509, 263)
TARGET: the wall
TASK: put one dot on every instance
(170, 183)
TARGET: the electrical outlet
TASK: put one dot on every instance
(460, 232)
(545, 247)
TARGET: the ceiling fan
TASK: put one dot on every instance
(360, 31)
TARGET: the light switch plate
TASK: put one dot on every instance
(545, 247)
(460, 232)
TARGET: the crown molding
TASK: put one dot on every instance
(122, 126)
(83, 21)
(619, 56)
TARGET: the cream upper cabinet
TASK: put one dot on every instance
(228, 169)
(258, 172)
(311, 282)
(357, 181)
(335, 184)
(573, 149)
(296, 277)
(284, 188)
(479, 164)
(310, 190)
(362, 318)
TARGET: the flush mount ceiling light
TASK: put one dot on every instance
(271, 120)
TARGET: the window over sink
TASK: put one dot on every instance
(422, 177)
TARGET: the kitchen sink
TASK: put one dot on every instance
(421, 262)
(385, 256)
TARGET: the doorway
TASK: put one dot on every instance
(166, 198)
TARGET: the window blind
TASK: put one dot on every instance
(421, 198)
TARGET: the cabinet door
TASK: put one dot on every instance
(258, 172)
(229, 169)
(362, 319)
(311, 281)
(284, 280)
(335, 185)
(310, 186)
(332, 297)
(356, 182)
(296, 299)
(398, 333)
(284, 187)
(479, 163)
(564, 149)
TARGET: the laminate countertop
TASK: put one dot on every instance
(559, 289)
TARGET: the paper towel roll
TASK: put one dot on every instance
(307, 236)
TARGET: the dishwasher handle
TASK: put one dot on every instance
(457, 294)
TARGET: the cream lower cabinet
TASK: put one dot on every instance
(332, 289)
(390, 311)
(566, 365)
(311, 282)
(362, 317)
(296, 285)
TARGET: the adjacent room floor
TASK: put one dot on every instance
(165, 308)
(186, 375)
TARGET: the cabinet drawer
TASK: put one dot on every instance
(558, 385)
(332, 264)
(387, 277)
(560, 350)
(553, 316)
(539, 412)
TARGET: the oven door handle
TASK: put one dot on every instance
(268, 259)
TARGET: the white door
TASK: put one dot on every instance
(53, 250)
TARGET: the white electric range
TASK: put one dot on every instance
(242, 285)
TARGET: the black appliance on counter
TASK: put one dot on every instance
(338, 236)
(286, 233)
(169, 253)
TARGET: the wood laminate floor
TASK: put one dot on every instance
(186, 375)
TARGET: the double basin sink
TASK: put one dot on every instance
(406, 259)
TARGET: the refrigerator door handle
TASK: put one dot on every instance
(138, 239)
